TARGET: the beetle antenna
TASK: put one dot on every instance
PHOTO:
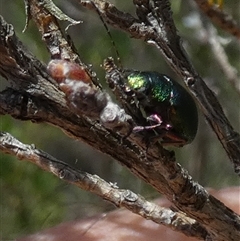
(109, 34)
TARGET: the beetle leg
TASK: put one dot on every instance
(171, 139)
(156, 119)
(142, 128)
(168, 138)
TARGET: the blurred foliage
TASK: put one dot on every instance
(32, 199)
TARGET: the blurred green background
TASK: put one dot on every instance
(32, 199)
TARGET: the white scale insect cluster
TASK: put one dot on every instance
(84, 98)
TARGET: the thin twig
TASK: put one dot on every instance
(38, 100)
(119, 197)
(220, 55)
(159, 30)
(219, 17)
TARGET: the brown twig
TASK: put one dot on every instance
(119, 197)
(220, 55)
(219, 17)
(158, 29)
(35, 98)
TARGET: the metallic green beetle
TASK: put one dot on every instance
(167, 106)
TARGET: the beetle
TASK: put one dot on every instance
(166, 105)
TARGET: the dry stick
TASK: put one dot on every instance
(164, 25)
(219, 17)
(151, 167)
(159, 30)
(119, 197)
(45, 15)
(51, 33)
(12, 106)
(209, 211)
(220, 55)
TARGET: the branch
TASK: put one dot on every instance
(219, 17)
(157, 27)
(34, 96)
(221, 57)
(119, 197)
